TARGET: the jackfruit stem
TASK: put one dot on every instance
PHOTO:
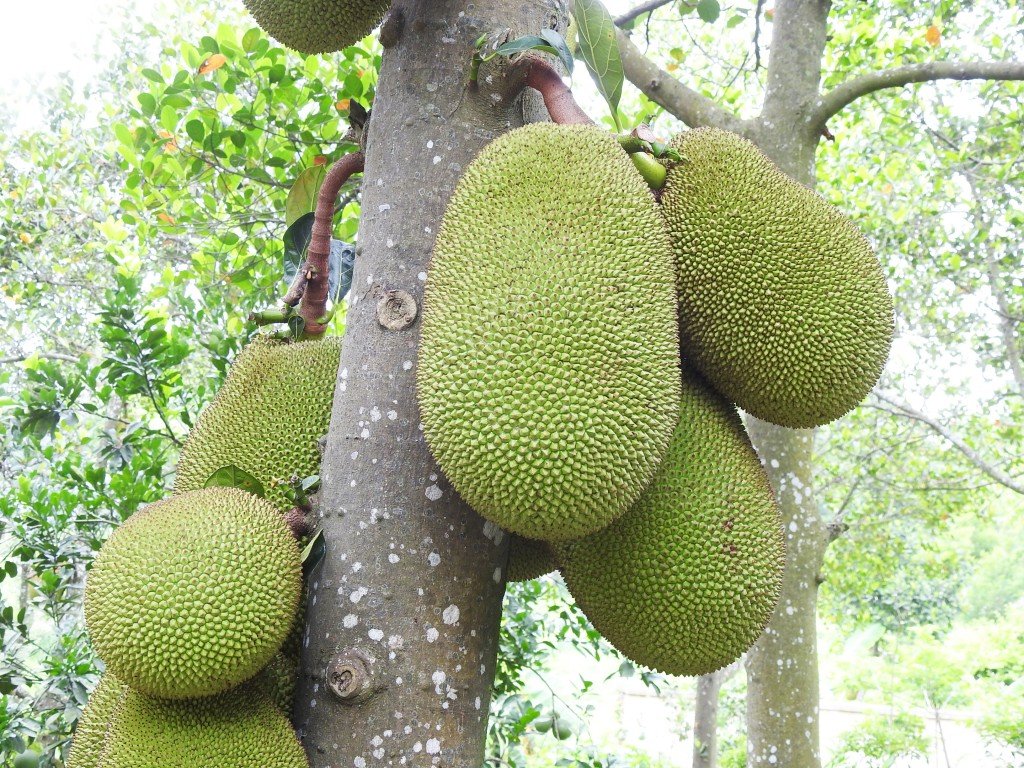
(269, 316)
(653, 172)
(313, 306)
(538, 74)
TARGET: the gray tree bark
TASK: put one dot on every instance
(705, 718)
(403, 612)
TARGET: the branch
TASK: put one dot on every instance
(688, 105)
(313, 306)
(43, 355)
(832, 103)
(532, 71)
(940, 429)
(640, 10)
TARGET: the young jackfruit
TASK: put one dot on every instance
(783, 305)
(94, 723)
(548, 359)
(267, 417)
(318, 26)
(688, 578)
(194, 594)
(529, 559)
(241, 728)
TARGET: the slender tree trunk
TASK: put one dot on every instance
(705, 720)
(402, 624)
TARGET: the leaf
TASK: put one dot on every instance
(313, 552)
(341, 261)
(302, 196)
(709, 10)
(600, 51)
(933, 35)
(195, 130)
(233, 477)
(561, 48)
(214, 62)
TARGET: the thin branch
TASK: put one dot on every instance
(757, 34)
(640, 10)
(831, 103)
(940, 429)
(532, 71)
(43, 355)
(688, 105)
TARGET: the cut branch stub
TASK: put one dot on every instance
(316, 269)
(350, 676)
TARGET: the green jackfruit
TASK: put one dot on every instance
(267, 417)
(529, 559)
(318, 26)
(241, 728)
(547, 377)
(94, 723)
(783, 305)
(194, 594)
(688, 578)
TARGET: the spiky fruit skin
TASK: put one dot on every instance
(688, 578)
(547, 376)
(241, 728)
(93, 725)
(267, 417)
(194, 594)
(783, 304)
(529, 559)
(317, 26)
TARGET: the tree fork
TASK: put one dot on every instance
(404, 608)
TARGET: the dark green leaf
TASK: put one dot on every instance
(562, 50)
(709, 10)
(195, 130)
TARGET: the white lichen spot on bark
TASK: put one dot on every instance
(450, 615)
(433, 492)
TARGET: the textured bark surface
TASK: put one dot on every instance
(705, 718)
(404, 608)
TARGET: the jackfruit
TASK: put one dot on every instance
(267, 417)
(318, 26)
(241, 728)
(783, 304)
(548, 359)
(529, 559)
(688, 578)
(94, 723)
(194, 594)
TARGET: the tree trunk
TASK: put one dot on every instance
(782, 667)
(705, 719)
(402, 623)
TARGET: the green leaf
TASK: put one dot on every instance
(709, 10)
(152, 74)
(302, 196)
(600, 51)
(313, 552)
(249, 39)
(233, 477)
(561, 48)
(195, 130)
(148, 103)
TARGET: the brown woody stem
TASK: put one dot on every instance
(534, 72)
(313, 307)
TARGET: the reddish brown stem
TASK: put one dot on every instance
(538, 74)
(314, 298)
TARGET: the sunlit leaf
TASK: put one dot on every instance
(302, 196)
(599, 49)
(214, 62)
(231, 476)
